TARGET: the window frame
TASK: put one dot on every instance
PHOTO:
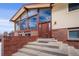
(72, 39)
(76, 8)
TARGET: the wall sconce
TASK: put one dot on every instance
(55, 23)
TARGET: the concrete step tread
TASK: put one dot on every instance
(34, 52)
(49, 43)
(46, 49)
(19, 54)
(44, 45)
(47, 40)
(72, 51)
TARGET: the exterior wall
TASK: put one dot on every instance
(61, 35)
(62, 19)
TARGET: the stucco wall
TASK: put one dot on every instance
(64, 18)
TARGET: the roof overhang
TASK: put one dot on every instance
(30, 6)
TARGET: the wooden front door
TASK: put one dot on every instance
(44, 30)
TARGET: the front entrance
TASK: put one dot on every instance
(44, 30)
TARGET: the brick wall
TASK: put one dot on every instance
(61, 35)
(13, 43)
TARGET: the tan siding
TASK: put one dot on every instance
(64, 18)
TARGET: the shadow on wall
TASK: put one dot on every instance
(0, 40)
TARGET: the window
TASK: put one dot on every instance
(74, 34)
(32, 12)
(17, 25)
(45, 14)
(23, 24)
(33, 22)
(24, 15)
(73, 6)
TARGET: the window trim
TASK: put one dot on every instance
(72, 39)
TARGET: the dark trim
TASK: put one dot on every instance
(73, 40)
(73, 28)
(73, 6)
(32, 16)
(44, 22)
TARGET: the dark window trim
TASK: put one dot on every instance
(72, 7)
